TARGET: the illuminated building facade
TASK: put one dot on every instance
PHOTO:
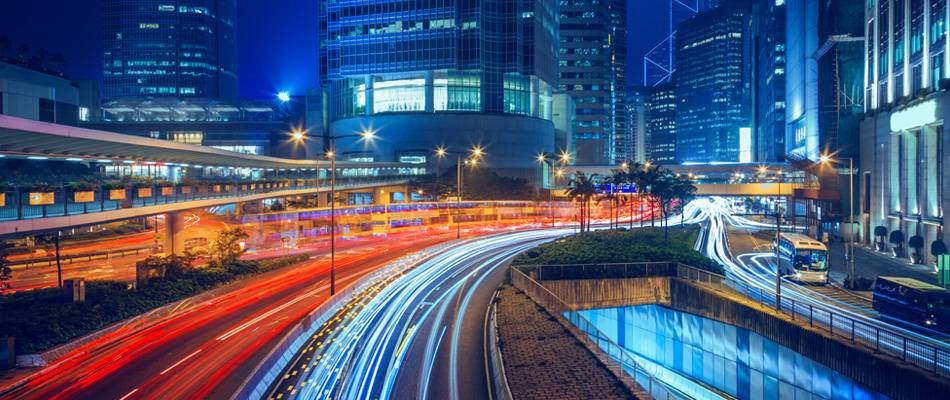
(592, 68)
(662, 124)
(711, 84)
(432, 73)
(183, 48)
(903, 146)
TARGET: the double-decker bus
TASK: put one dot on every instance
(802, 258)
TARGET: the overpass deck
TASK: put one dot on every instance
(68, 208)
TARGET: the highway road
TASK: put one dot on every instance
(204, 349)
(757, 270)
(419, 335)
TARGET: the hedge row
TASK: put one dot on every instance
(40, 320)
(621, 246)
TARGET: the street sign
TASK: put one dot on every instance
(943, 270)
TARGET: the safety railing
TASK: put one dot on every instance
(919, 351)
(591, 334)
(20, 203)
(497, 380)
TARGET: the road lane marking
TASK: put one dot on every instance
(180, 361)
(129, 394)
(273, 311)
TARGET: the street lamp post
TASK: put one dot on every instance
(331, 154)
(474, 154)
(563, 158)
(778, 234)
(849, 250)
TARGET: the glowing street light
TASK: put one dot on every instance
(475, 153)
(331, 154)
(565, 157)
(283, 97)
(826, 159)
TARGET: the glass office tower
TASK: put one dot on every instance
(157, 48)
(593, 71)
(432, 73)
(710, 85)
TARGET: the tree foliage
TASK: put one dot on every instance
(639, 245)
(228, 246)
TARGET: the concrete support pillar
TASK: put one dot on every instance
(369, 95)
(430, 92)
(174, 233)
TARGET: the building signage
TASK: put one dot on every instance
(168, 191)
(914, 116)
(42, 198)
(84, 197)
(745, 145)
(3, 199)
(117, 194)
(145, 192)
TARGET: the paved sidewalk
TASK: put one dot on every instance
(543, 360)
(871, 264)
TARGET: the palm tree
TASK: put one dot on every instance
(661, 191)
(631, 177)
(611, 198)
(582, 187)
(683, 192)
(647, 178)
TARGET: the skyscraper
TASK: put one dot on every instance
(184, 48)
(592, 67)
(430, 73)
(638, 122)
(711, 85)
(903, 176)
(662, 124)
(767, 48)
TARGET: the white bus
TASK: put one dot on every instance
(802, 258)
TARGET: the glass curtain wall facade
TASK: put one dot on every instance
(592, 64)
(662, 124)
(638, 120)
(432, 56)
(159, 48)
(768, 86)
(711, 84)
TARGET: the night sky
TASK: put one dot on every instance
(277, 43)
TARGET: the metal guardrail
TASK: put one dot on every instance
(18, 205)
(494, 363)
(69, 259)
(923, 354)
(590, 332)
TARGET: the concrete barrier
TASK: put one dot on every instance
(839, 350)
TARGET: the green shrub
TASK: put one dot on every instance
(40, 320)
(640, 245)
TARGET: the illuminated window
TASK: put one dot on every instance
(189, 137)
(399, 95)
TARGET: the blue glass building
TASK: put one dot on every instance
(431, 73)
(183, 48)
(711, 78)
